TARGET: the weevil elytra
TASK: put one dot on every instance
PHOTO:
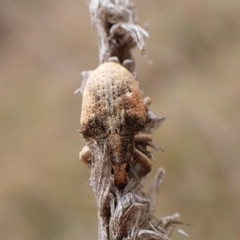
(112, 114)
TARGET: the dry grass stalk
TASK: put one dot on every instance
(124, 214)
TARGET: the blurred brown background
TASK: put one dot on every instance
(193, 82)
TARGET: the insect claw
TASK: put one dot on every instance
(155, 147)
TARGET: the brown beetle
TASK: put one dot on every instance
(112, 114)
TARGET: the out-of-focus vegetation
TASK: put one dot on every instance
(194, 82)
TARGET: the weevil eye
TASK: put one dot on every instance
(128, 167)
(112, 170)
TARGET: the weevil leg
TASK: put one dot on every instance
(142, 165)
(129, 65)
(142, 138)
(147, 102)
(146, 138)
(86, 155)
(155, 147)
(113, 59)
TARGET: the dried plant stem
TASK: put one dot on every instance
(124, 214)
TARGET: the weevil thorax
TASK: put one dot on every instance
(112, 113)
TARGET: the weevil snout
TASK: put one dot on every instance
(120, 173)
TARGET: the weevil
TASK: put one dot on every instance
(112, 115)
